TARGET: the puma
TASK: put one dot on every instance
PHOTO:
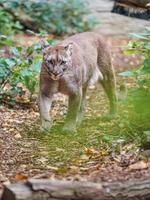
(69, 68)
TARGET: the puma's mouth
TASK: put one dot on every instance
(55, 78)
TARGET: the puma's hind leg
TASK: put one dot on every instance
(73, 110)
(82, 106)
(108, 80)
(109, 85)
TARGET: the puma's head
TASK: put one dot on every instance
(56, 58)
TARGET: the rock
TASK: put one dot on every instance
(112, 24)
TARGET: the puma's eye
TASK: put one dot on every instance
(64, 68)
(50, 62)
(63, 62)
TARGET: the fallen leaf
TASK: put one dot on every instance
(59, 149)
(42, 160)
(148, 164)
(84, 157)
(21, 177)
(51, 167)
(17, 136)
(6, 183)
(74, 169)
(90, 151)
(138, 165)
(44, 153)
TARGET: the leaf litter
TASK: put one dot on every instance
(97, 152)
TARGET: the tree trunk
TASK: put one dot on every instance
(42, 189)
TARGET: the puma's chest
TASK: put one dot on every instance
(68, 85)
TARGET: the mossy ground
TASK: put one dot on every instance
(95, 132)
(26, 150)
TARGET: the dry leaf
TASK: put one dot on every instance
(148, 164)
(84, 157)
(6, 183)
(17, 136)
(138, 165)
(90, 151)
(74, 169)
(51, 167)
(44, 153)
(42, 160)
(131, 79)
(59, 149)
(21, 177)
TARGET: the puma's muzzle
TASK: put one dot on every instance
(55, 77)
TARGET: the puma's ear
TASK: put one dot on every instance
(44, 45)
(69, 48)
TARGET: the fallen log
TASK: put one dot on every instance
(41, 189)
(137, 3)
(132, 8)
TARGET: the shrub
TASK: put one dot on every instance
(7, 25)
(21, 67)
(140, 95)
(58, 17)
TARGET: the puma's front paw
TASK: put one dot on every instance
(46, 126)
(69, 128)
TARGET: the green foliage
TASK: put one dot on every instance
(7, 25)
(58, 17)
(21, 67)
(140, 95)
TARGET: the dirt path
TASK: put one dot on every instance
(88, 154)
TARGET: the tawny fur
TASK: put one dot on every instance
(88, 60)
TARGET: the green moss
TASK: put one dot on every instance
(63, 149)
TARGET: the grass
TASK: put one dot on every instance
(62, 149)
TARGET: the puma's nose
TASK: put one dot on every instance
(54, 77)
(55, 73)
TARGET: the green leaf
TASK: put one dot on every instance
(30, 50)
(10, 62)
(146, 67)
(147, 47)
(138, 36)
(36, 65)
(148, 28)
(16, 51)
(106, 138)
(128, 74)
(129, 52)
(25, 73)
(3, 72)
(147, 133)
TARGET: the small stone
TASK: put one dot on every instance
(17, 136)
(3, 178)
(84, 157)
